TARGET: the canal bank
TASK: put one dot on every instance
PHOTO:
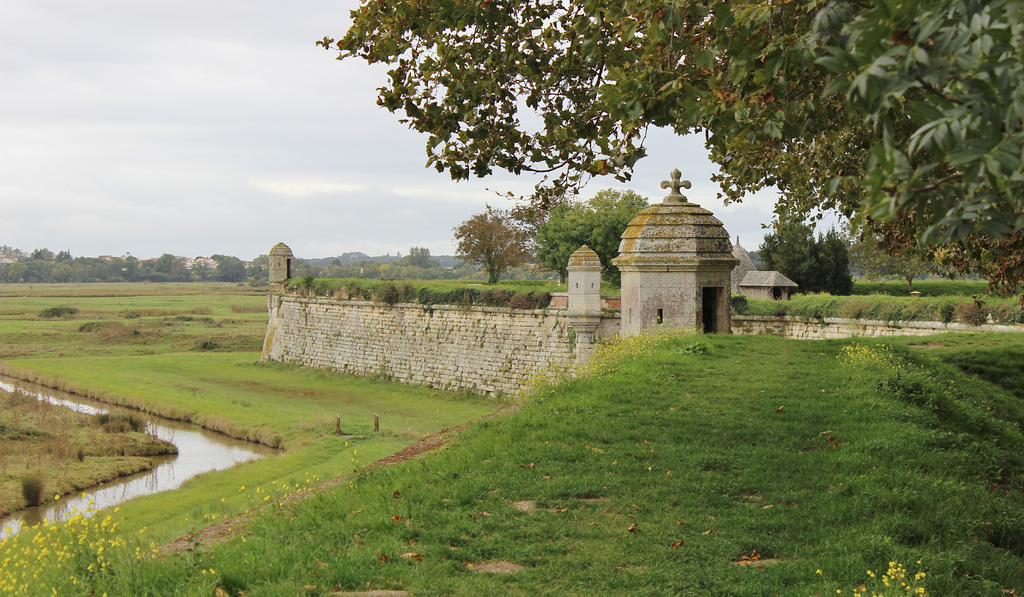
(199, 451)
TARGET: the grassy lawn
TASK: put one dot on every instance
(687, 466)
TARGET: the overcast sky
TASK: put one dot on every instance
(196, 128)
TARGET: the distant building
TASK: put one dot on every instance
(749, 281)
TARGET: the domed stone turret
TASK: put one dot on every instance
(584, 282)
(280, 263)
(676, 260)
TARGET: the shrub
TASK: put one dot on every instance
(32, 488)
(387, 294)
(970, 313)
(208, 345)
(739, 304)
(54, 312)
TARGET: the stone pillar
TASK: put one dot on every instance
(584, 308)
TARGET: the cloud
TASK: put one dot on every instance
(219, 127)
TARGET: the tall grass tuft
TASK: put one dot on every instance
(32, 488)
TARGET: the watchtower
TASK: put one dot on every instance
(676, 262)
(280, 263)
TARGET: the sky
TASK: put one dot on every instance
(197, 128)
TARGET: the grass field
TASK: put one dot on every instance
(151, 350)
(687, 465)
(681, 465)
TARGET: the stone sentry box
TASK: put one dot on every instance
(676, 262)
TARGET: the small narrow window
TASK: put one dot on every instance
(661, 315)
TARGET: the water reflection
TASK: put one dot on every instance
(199, 451)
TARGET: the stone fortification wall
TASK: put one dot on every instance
(834, 327)
(479, 348)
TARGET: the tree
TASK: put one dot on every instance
(880, 263)
(418, 257)
(598, 223)
(820, 265)
(493, 240)
(230, 269)
(882, 110)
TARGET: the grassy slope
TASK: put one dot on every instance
(830, 460)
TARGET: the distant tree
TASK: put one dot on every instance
(877, 262)
(418, 257)
(598, 223)
(42, 255)
(179, 273)
(164, 264)
(816, 265)
(494, 240)
(16, 272)
(230, 269)
(833, 264)
(63, 256)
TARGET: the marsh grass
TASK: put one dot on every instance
(32, 487)
(52, 447)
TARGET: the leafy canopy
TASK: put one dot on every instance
(598, 223)
(816, 265)
(882, 110)
(494, 240)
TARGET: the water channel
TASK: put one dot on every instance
(199, 451)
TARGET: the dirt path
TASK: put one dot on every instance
(222, 532)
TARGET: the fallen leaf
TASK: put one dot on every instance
(708, 532)
(321, 564)
(768, 507)
(219, 592)
(632, 528)
(677, 544)
(396, 518)
(778, 410)
(397, 495)
(384, 558)
(412, 555)
(531, 465)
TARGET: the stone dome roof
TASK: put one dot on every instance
(675, 233)
(584, 258)
(281, 250)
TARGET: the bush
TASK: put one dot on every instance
(208, 345)
(971, 313)
(32, 488)
(739, 304)
(54, 312)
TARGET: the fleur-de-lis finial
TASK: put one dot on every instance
(675, 196)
